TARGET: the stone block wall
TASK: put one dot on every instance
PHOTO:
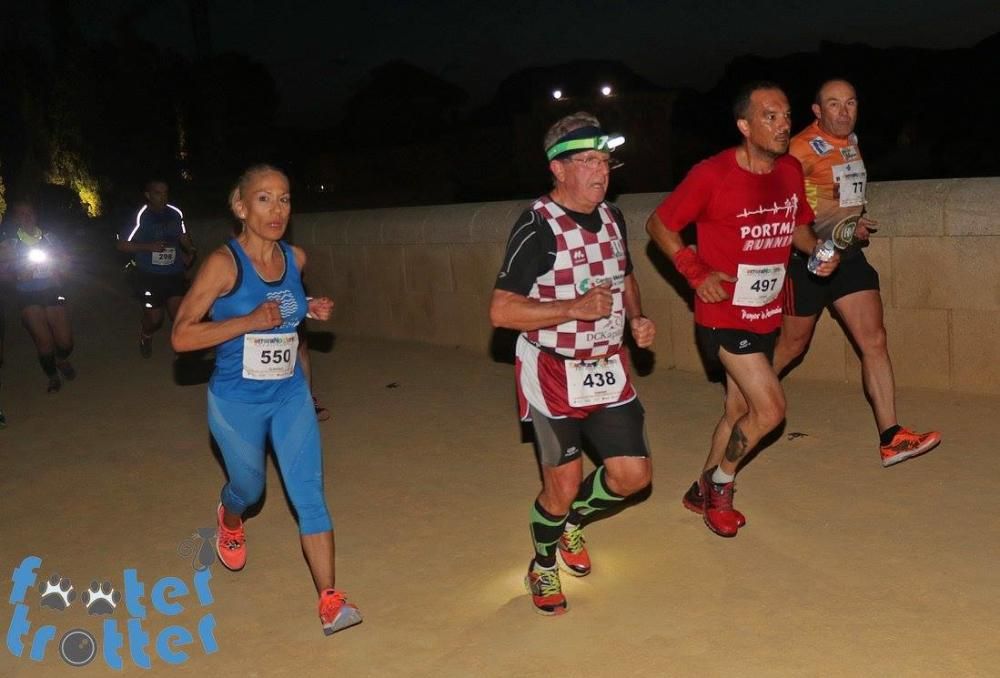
(426, 274)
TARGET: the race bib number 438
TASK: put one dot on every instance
(270, 356)
(595, 382)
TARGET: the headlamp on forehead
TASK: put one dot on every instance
(603, 142)
(37, 255)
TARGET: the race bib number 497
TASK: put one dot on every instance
(270, 356)
(758, 285)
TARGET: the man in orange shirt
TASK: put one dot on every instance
(836, 180)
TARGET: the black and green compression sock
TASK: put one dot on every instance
(545, 532)
(594, 496)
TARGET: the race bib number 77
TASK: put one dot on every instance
(851, 178)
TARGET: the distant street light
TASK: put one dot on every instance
(606, 90)
(557, 94)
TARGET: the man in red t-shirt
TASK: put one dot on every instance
(750, 209)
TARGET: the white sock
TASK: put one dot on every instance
(720, 477)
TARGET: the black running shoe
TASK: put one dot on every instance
(66, 369)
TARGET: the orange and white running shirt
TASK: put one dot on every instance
(836, 181)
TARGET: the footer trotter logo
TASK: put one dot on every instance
(200, 547)
(79, 646)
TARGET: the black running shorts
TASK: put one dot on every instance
(608, 432)
(47, 297)
(740, 342)
(806, 294)
(153, 289)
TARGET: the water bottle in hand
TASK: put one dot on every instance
(823, 253)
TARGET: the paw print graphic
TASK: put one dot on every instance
(101, 598)
(57, 592)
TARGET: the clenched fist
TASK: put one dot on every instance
(320, 308)
(643, 331)
(828, 267)
(711, 290)
(595, 304)
(865, 228)
(267, 316)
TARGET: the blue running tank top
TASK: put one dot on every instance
(259, 366)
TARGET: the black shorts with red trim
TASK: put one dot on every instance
(806, 294)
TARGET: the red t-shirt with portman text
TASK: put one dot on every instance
(744, 223)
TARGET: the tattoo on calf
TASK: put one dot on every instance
(737, 445)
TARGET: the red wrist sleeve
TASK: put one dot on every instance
(691, 266)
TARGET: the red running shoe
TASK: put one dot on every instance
(231, 545)
(335, 613)
(719, 514)
(546, 590)
(906, 444)
(694, 500)
(571, 552)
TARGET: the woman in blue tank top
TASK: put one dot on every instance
(251, 289)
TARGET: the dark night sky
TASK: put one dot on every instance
(318, 50)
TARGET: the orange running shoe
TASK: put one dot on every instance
(335, 613)
(231, 545)
(546, 590)
(906, 444)
(571, 552)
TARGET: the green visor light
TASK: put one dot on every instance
(605, 142)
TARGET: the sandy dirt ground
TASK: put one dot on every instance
(844, 568)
